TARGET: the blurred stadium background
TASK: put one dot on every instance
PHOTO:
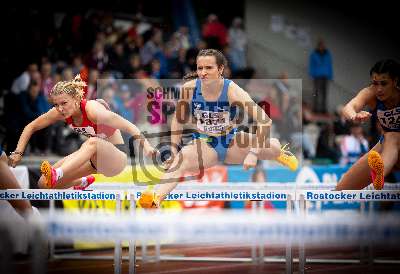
(124, 44)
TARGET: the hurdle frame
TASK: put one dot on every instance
(288, 258)
(117, 257)
(368, 258)
(302, 260)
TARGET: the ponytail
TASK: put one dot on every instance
(75, 88)
(190, 76)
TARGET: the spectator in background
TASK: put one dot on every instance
(134, 45)
(118, 63)
(133, 66)
(227, 73)
(151, 47)
(91, 93)
(340, 124)
(238, 45)
(21, 83)
(141, 24)
(326, 145)
(321, 71)
(33, 104)
(47, 78)
(301, 140)
(281, 89)
(124, 107)
(108, 95)
(124, 103)
(12, 123)
(13, 120)
(175, 61)
(182, 36)
(190, 60)
(353, 146)
(215, 33)
(98, 58)
(132, 31)
(155, 69)
(77, 64)
(59, 67)
(67, 74)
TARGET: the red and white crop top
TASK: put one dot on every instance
(88, 128)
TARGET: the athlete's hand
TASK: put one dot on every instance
(250, 161)
(14, 159)
(167, 163)
(361, 117)
(149, 150)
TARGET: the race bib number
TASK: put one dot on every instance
(212, 122)
(389, 118)
(88, 132)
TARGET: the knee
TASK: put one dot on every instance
(274, 143)
(177, 167)
(275, 146)
(91, 143)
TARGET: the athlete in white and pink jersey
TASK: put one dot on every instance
(104, 150)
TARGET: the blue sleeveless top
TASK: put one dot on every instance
(388, 118)
(213, 118)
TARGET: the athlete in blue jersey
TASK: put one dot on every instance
(383, 98)
(213, 102)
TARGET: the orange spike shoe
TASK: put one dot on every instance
(49, 173)
(375, 162)
(149, 199)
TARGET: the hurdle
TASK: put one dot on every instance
(360, 196)
(363, 196)
(227, 227)
(219, 192)
(291, 194)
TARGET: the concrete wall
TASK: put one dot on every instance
(353, 46)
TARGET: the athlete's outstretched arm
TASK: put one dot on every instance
(263, 146)
(237, 96)
(353, 110)
(39, 123)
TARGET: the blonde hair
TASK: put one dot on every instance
(75, 88)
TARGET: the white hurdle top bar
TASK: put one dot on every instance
(60, 194)
(209, 193)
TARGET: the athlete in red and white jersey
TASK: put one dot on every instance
(87, 127)
(104, 150)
